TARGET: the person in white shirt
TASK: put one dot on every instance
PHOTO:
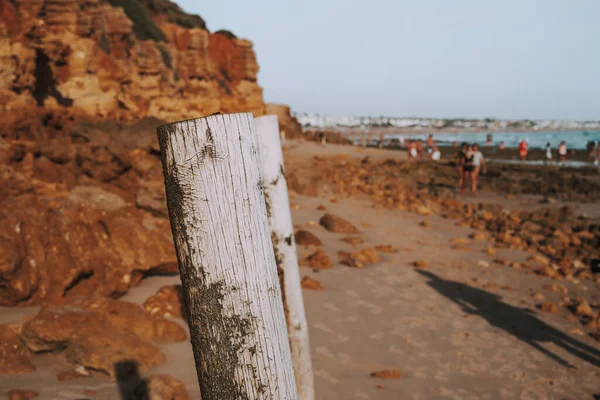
(412, 151)
(478, 164)
(435, 154)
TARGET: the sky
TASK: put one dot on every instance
(529, 59)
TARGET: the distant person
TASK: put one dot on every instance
(523, 149)
(591, 149)
(502, 146)
(468, 166)
(420, 149)
(461, 154)
(321, 138)
(562, 152)
(489, 140)
(430, 143)
(597, 160)
(455, 144)
(436, 155)
(479, 166)
(412, 150)
(548, 153)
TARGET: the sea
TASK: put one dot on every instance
(575, 139)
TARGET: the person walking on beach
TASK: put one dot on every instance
(562, 152)
(412, 150)
(321, 138)
(548, 153)
(591, 149)
(461, 165)
(523, 149)
(594, 152)
(489, 140)
(420, 149)
(430, 143)
(479, 165)
(468, 167)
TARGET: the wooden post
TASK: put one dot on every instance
(282, 234)
(228, 271)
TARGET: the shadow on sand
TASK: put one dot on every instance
(521, 323)
(131, 385)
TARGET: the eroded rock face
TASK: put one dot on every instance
(121, 62)
(287, 122)
(57, 243)
(71, 220)
(100, 333)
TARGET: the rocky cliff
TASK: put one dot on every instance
(82, 208)
(121, 59)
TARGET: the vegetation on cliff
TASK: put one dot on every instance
(173, 13)
(143, 25)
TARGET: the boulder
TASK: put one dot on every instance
(306, 238)
(360, 258)
(58, 244)
(557, 289)
(101, 332)
(387, 374)
(161, 387)
(15, 357)
(386, 248)
(353, 240)
(549, 307)
(582, 308)
(311, 284)
(166, 302)
(337, 225)
(547, 271)
(318, 260)
(22, 394)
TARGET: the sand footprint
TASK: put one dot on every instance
(324, 328)
(377, 335)
(321, 373)
(331, 307)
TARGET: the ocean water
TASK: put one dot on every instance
(574, 139)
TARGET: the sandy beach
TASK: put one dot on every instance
(462, 326)
(143, 202)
